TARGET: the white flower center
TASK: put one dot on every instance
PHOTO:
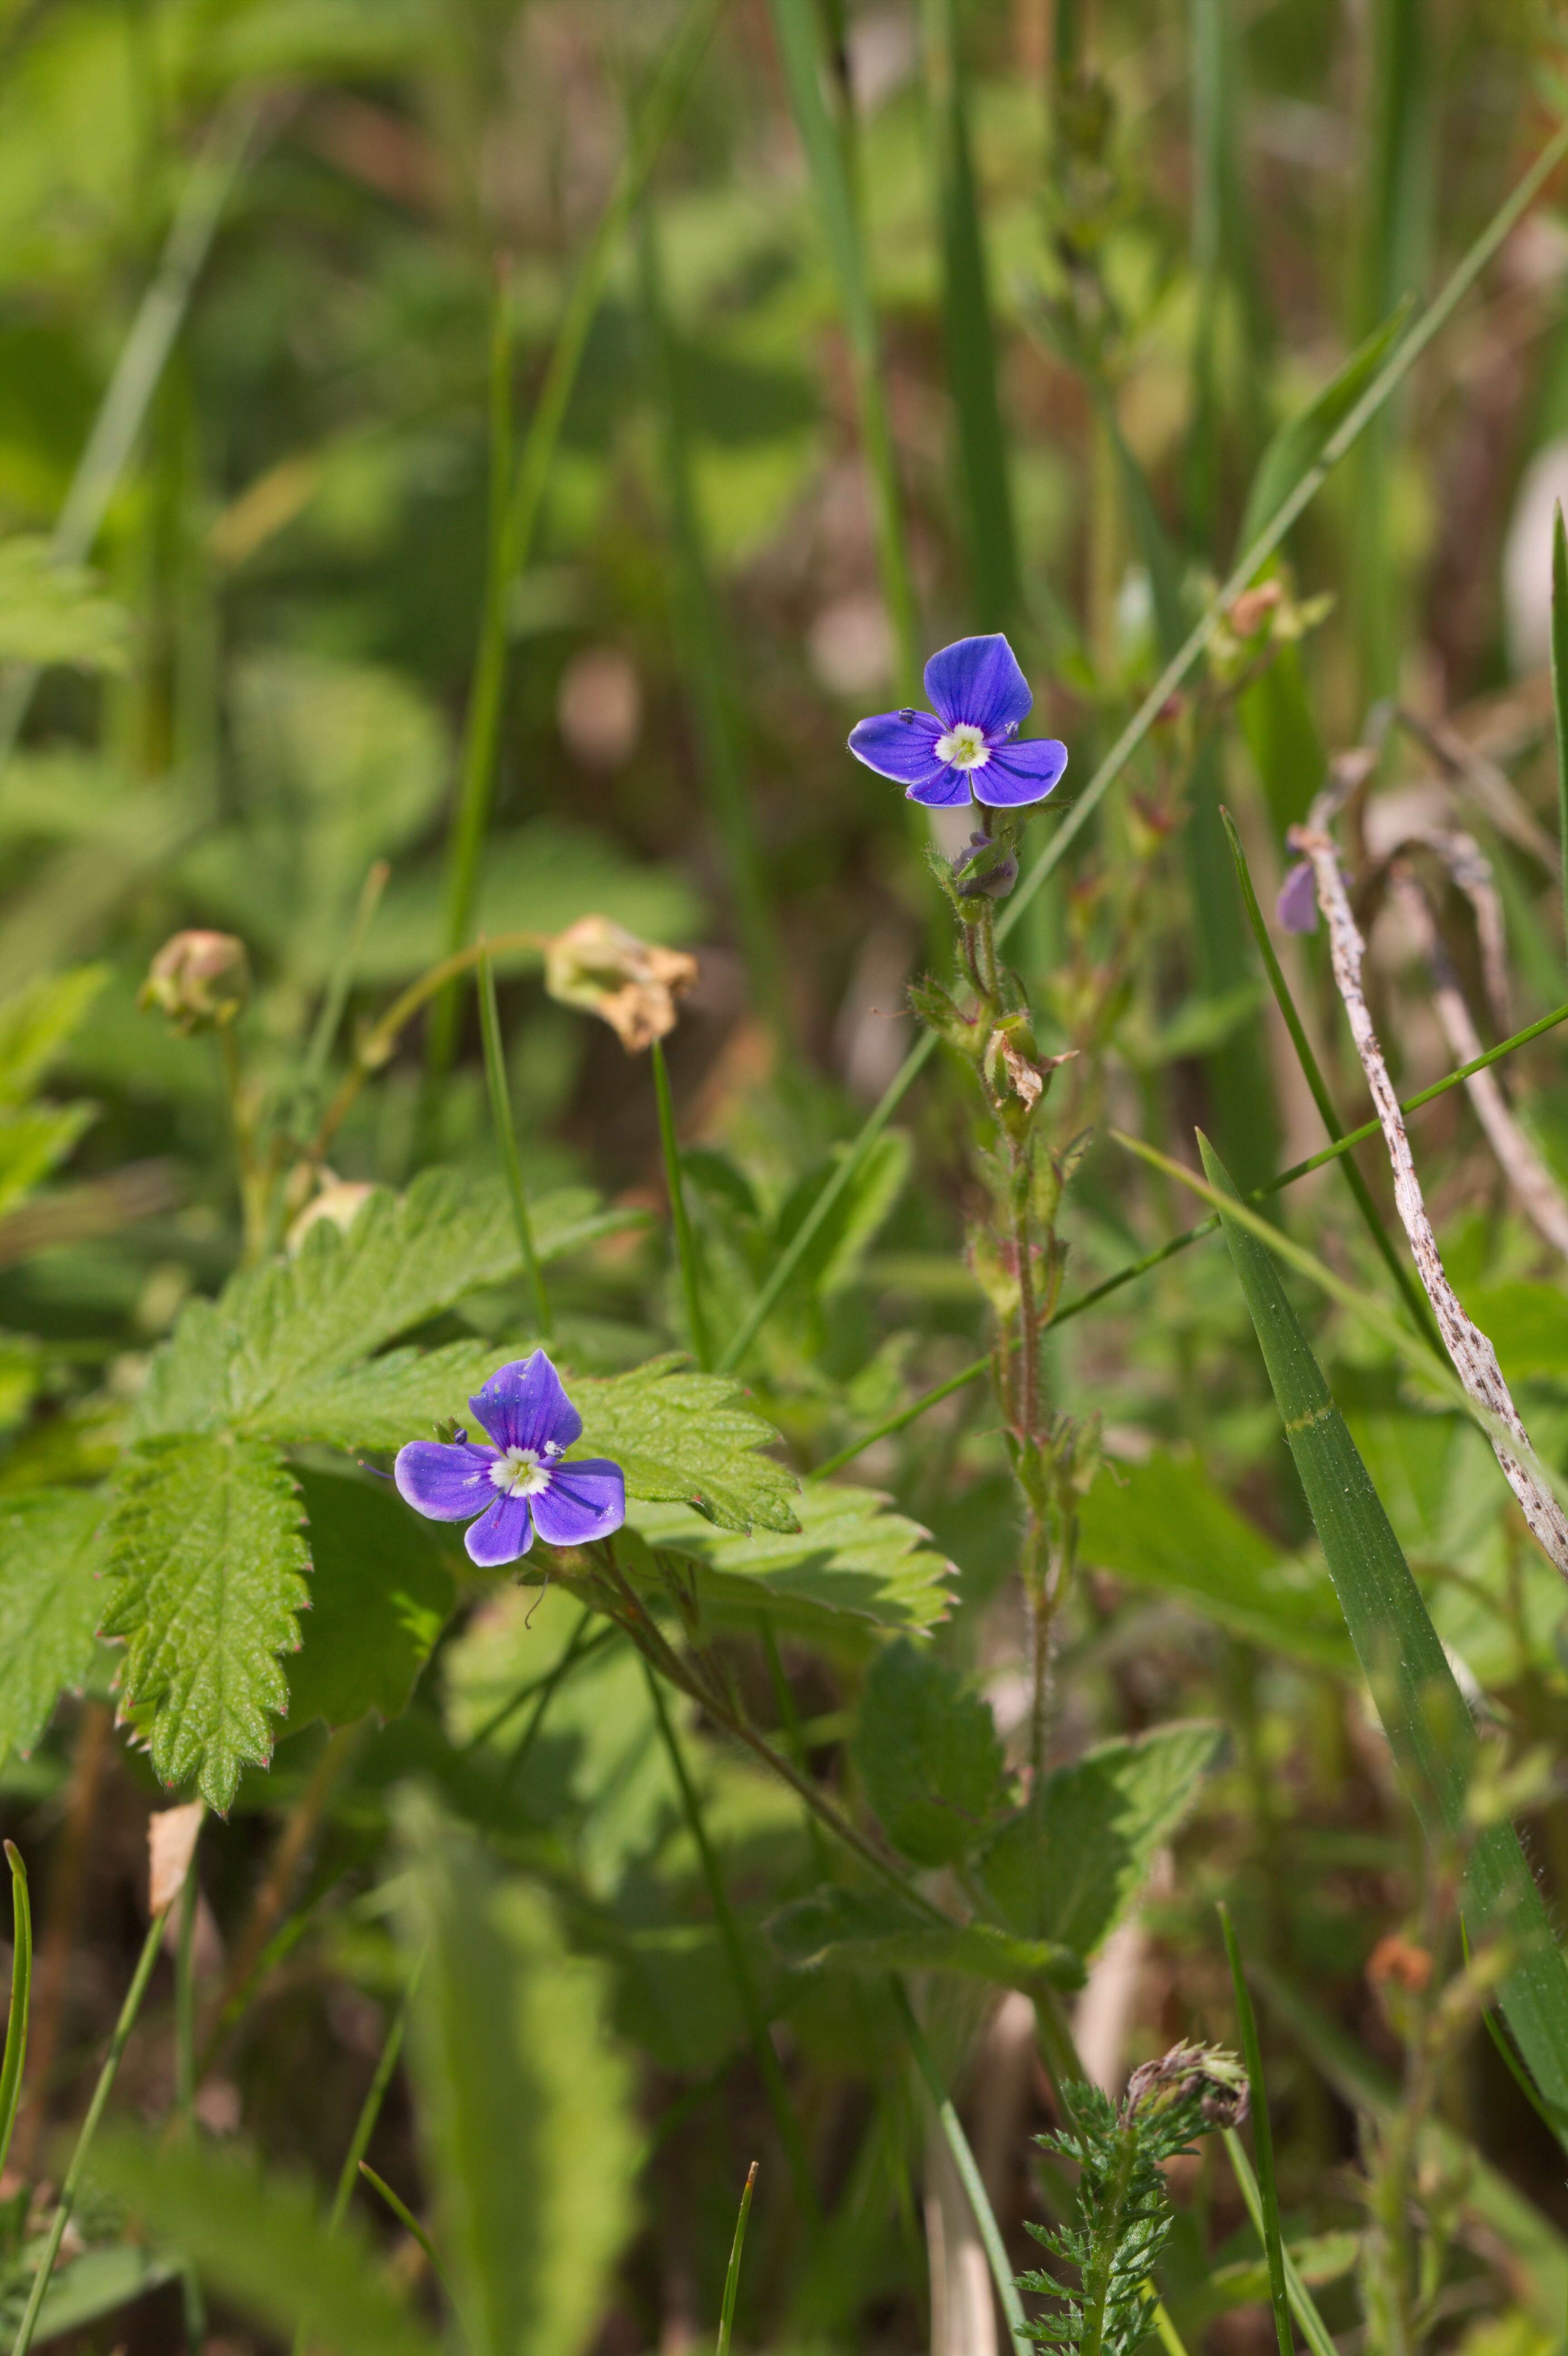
(964, 746)
(520, 1473)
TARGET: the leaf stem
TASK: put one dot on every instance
(675, 1184)
(101, 2093)
(733, 2272)
(507, 1136)
(21, 1992)
(1263, 2138)
(410, 2223)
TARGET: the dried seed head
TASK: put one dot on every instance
(200, 981)
(633, 985)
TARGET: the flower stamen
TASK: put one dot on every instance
(964, 746)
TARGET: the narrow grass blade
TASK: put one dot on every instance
(142, 356)
(969, 2176)
(506, 1140)
(1423, 1714)
(1307, 485)
(1313, 2329)
(1560, 684)
(370, 2109)
(1263, 2138)
(1410, 1290)
(732, 2273)
(705, 657)
(996, 591)
(89, 2128)
(21, 1996)
(675, 1183)
(1554, 2121)
(517, 494)
(750, 2002)
(798, 29)
(408, 2222)
(330, 1021)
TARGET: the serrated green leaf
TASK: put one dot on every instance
(380, 1597)
(259, 2238)
(50, 1596)
(55, 612)
(36, 1022)
(397, 1396)
(862, 1930)
(850, 1557)
(1428, 1725)
(684, 1438)
(270, 1356)
(1162, 1524)
(204, 1580)
(929, 1757)
(524, 2107)
(1069, 1868)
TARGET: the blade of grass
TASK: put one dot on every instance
(506, 1140)
(1560, 685)
(1388, 378)
(1263, 2138)
(798, 32)
(750, 2001)
(142, 357)
(704, 655)
(575, 1649)
(89, 2128)
(969, 2176)
(330, 1021)
(370, 2109)
(1554, 2121)
(1079, 1302)
(21, 1996)
(733, 2272)
(410, 2225)
(1409, 1290)
(517, 494)
(675, 1186)
(970, 342)
(1313, 2329)
(1429, 1727)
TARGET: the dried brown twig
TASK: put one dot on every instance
(1475, 1360)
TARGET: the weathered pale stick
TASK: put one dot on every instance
(1525, 1173)
(1475, 1360)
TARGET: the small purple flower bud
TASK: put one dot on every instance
(993, 883)
(1296, 907)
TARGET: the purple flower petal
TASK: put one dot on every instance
(585, 1500)
(444, 1483)
(978, 680)
(949, 790)
(501, 1535)
(901, 745)
(1296, 907)
(1024, 771)
(524, 1405)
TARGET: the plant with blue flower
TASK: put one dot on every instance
(521, 1480)
(970, 749)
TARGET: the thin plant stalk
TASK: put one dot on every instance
(733, 2272)
(517, 495)
(21, 1993)
(410, 2222)
(1303, 2307)
(1409, 1290)
(1075, 1307)
(101, 2093)
(1560, 687)
(370, 2109)
(506, 1139)
(685, 1241)
(969, 2175)
(577, 1645)
(773, 2076)
(330, 1021)
(1263, 2138)
(1386, 381)
(140, 367)
(526, 1693)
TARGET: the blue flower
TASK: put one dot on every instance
(981, 697)
(520, 1484)
(1296, 907)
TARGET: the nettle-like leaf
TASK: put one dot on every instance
(930, 1758)
(204, 1577)
(271, 1355)
(689, 1439)
(1069, 1868)
(874, 1931)
(850, 1557)
(380, 1597)
(55, 612)
(50, 1600)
